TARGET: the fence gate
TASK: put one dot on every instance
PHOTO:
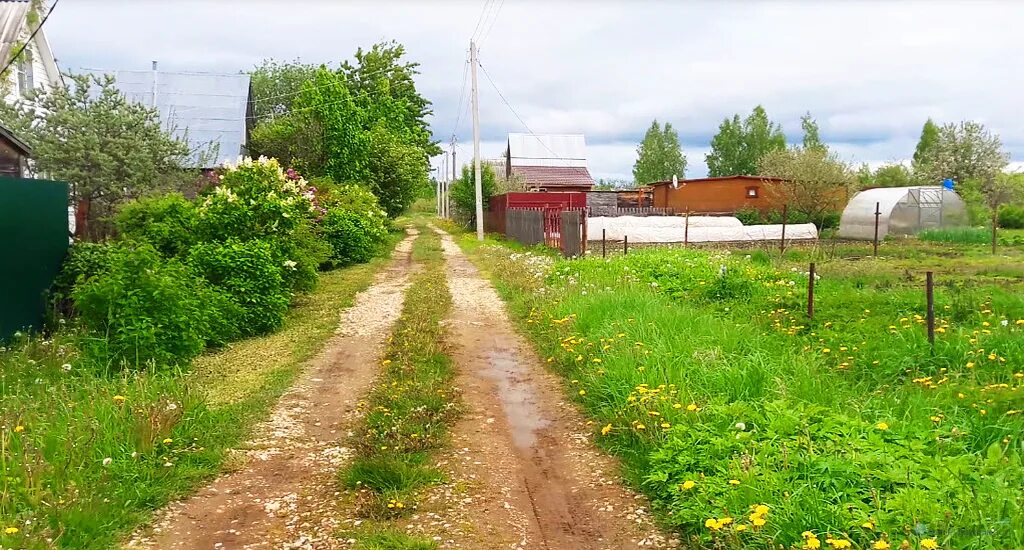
(573, 232)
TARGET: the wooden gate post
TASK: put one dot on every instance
(878, 212)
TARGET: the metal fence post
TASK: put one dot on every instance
(810, 292)
(930, 291)
(604, 252)
(878, 212)
(625, 245)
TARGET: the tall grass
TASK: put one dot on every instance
(86, 457)
(701, 371)
(958, 235)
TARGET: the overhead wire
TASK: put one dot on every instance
(514, 112)
(30, 38)
(494, 20)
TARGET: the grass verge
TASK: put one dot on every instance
(86, 458)
(409, 409)
(750, 426)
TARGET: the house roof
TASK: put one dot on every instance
(553, 176)
(207, 108)
(12, 23)
(566, 150)
(717, 178)
(15, 141)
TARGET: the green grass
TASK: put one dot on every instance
(409, 409)
(164, 433)
(959, 235)
(699, 366)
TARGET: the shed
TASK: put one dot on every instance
(717, 195)
(548, 162)
(902, 211)
(14, 154)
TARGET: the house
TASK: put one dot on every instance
(719, 195)
(14, 154)
(548, 162)
(35, 67)
(212, 111)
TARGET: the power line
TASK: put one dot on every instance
(494, 20)
(511, 108)
(30, 38)
(462, 96)
(480, 19)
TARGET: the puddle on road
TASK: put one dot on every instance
(517, 398)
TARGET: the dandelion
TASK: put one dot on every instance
(688, 484)
(11, 531)
(758, 521)
(970, 364)
(880, 545)
(929, 544)
(826, 350)
(838, 543)
(692, 407)
(605, 430)
(168, 441)
(734, 482)
(583, 392)
(882, 426)
(119, 399)
(19, 429)
(66, 367)
(741, 528)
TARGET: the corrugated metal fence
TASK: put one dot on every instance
(33, 243)
(557, 228)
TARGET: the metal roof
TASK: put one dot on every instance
(716, 178)
(207, 108)
(15, 141)
(554, 176)
(12, 23)
(547, 150)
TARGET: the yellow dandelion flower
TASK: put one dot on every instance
(929, 544)
(691, 407)
(868, 525)
(666, 425)
(583, 392)
(606, 429)
(119, 399)
(734, 482)
(713, 524)
(880, 545)
(639, 426)
(761, 509)
(168, 441)
(688, 484)
(19, 429)
(741, 528)
(826, 350)
(11, 531)
(758, 521)
(970, 364)
(882, 426)
(677, 406)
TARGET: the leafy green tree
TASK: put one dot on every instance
(108, 148)
(893, 174)
(925, 146)
(659, 156)
(962, 152)
(380, 73)
(328, 104)
(275, 85)
(463, 192)
(812, 140)
(739, 145)
(814, 182)
(397, 172)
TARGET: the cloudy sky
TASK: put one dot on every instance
(870, 72)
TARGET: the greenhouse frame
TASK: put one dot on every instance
(903, 211)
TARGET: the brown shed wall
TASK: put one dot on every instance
(714, 196)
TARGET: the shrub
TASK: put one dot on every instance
(307, 251)
(749, 216)
(352, 236)
(167, 222)
(250, 275)
(142, 308)
(1012, 217)
(83, 261)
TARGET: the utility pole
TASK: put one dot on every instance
(476, 146)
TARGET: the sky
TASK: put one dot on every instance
(869, 72)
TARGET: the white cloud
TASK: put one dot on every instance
(871, 72)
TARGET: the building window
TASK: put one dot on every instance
(26, 78)
(752, 192)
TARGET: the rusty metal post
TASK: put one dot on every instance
(625, 245)
(686, 229)
(810, 292)
(604, 252)
(930, 291)
(878, 212)
(782, 242)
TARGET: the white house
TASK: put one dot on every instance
(35, 66)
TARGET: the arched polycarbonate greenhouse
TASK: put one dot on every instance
(904, 211)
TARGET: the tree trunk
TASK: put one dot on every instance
(995, 224)
(82, 218)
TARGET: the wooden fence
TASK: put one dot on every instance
(564, 229)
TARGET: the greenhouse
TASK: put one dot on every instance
(903, 211)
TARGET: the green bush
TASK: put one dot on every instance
(250, 275)
(749, 216)
(142, 309)
(168, 222)
(308, 251)
(1012, 217)
(354, 237)
(83, 261)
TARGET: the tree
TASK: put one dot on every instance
(893, 174)
(659, 156)
(814, 182)
(108, 148)
(463, 192)
(811, 138)
(962, 152)
(396, 171)
(1000, 190)
(275, 85)
(326, 102)
(380, 73)
(925, 146)
(738, 146)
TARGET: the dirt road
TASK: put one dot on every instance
(284, 494)
(524, 473)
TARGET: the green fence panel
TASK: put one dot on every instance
(33, 243)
